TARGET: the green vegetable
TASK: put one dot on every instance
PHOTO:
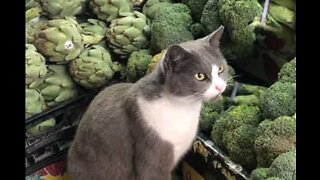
(197, 30)
(284, 166)
(288, 72)
(108, 10)
(60, 40)
(36, 68)
(279, 100)
(196, 7)
(274, 138)
(259, 174)
(93, 67)
(129, 32)
(210, 16)
(137, 65)
(252, 100)
(94, 31)
(152, 7)
(283, 15)
(170, 26)
(61, 8)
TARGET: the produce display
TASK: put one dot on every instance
(79, 45)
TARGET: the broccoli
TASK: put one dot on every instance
(196, 7)
(273, 138)
(242, 21)
(274, 178)
(120, 70)
(251, 100)
(284, 166)
(152, 7)
(210, 16)
(138, 64)
(248, 89)
(209, 114)
(240, 145)
(279, 100)
(259, 174)
(232, 118)
(171, 26)
(288, 72)
(197, 30)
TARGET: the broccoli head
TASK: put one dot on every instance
(240, 145)
(171, 26)
(232, 118)
(210, 16)
(237, 116)
(152, 7)
(284, 166)
(237, 14)
(196, 7)
(288, 72)
(137, 65)
(251, 100)
(197, 30)
(273, 138)
(279, 100)
(259, 174)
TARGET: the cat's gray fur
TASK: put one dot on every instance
(112, 141)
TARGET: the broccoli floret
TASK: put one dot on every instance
(288, 72)
(242, 114)
(137, 65)
(171, 26)
(197, 30)
(196, 7)
(240, 145)
(232, 118)
(273, 138)
(251, 100)
(210, 16)
(259, 174)
(284, 166)
(152, 7)
(279, 100)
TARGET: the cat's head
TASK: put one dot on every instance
(196, 69)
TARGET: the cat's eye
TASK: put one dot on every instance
(221, 69)
(200, 76)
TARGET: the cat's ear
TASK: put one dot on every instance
(213, 39)
(173, 54)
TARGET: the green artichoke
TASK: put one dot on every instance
(35, 104)
(130, 32)
(34, 27)
(57, 86)
(108, 10)
(60, 40)
(138, 65)
(36, 68)
(93, 31)
(151, 7)
(31, 4)
(61, 8)
(93, 68)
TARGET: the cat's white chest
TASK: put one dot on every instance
(174, 122)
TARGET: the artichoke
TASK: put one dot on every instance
(61, 8)
(108, 10)
(57, 86)
(151, 7)
(93, 31)
(34, 102)
(34, 105)
(137, 65)
(36, 68)
(34, 27)
(31, 4)
(130, 32)
(60, 40)
(93, 68)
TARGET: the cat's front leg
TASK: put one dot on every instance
(154, 160)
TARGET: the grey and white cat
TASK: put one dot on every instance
(140, 131)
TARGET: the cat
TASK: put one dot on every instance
(140, 131)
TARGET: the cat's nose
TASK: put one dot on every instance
(219, 87)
